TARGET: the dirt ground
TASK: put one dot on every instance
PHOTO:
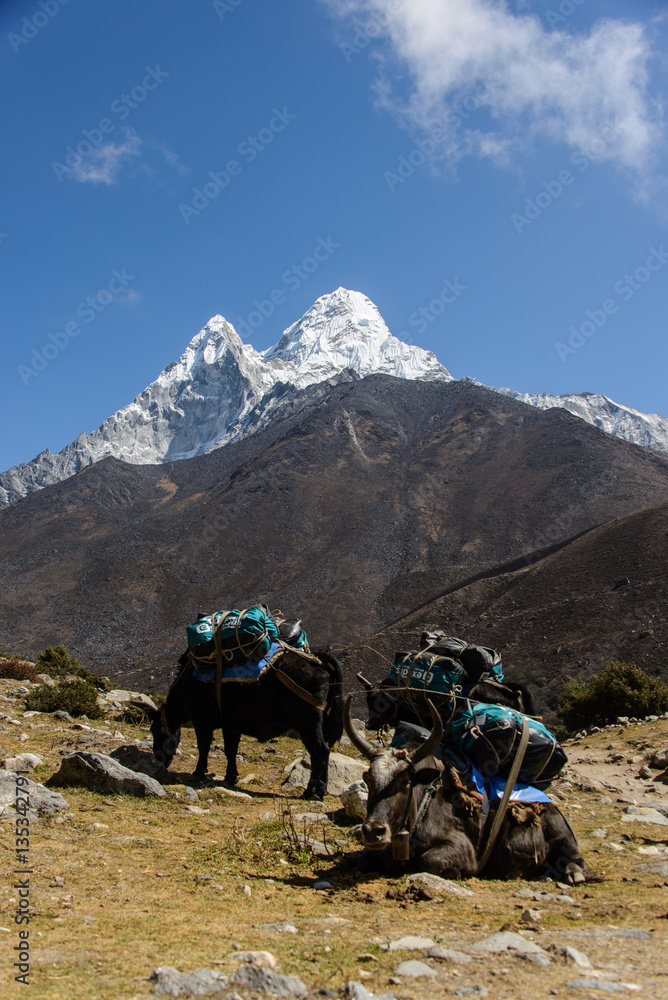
(123, 885)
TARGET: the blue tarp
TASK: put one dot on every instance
(248, 671)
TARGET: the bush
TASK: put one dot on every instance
(617, 689)
(56, 662)
(76, 697)
(19, 670)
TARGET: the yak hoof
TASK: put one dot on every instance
(575, 875)
(312, 796)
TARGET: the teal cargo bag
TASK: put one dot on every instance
(490, 734)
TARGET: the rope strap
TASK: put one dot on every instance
(508, 791)
(429, 794)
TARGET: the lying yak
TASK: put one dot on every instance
(309, 701)
(418, 810)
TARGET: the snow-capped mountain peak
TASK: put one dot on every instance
(201, 401)
(210, 396)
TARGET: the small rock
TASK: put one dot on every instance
(355, 798)
(282, 927)
(322, 884)
(622, 720)
(176, 984)
(197, 810)
(599, 833)
(263, 980)
(245, 890)
(412, 943)
(646, 816)
(471, 991)
(47, 680)
(538, 959)
(645, 772)
(42, 800)
(507, 941)
(414, 969)
(448, 955)
(22, 762)
(438, 885)
(596, 984)
(532, 917)
(342, 772)
(660, 759)
(576, 956)
(263, 959)
(356, 991)
(231, 792)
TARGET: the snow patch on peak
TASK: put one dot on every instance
(345, 330)
(649, 430)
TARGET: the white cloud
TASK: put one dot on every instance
(556, 84)
(102, 164)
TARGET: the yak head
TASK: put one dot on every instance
(391, 779)
(381, 702)
(165, 739)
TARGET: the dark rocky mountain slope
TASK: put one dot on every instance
(599, 597)
(357, 502)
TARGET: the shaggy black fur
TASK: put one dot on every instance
(263, 709)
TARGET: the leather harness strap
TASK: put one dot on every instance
(505, 801)
(299, 690)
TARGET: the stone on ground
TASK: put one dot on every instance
(343, 771)
(414, 969)
(412, 942)
(355, 798)
(143, 762)
(22, 762)
(104, 774)
(255, 977)
(201, 982)
(43, 802)
(507, 941)
(438, 885)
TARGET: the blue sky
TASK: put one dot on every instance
(515, 148)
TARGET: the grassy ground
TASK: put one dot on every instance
(123, 885)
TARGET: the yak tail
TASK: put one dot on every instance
(333, 720)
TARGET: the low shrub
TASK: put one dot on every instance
(57, 663)
(19, 670)
(77, 697)
(617, 689)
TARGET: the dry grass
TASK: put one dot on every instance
(148, 883)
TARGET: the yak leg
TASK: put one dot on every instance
(452, 858)
(564, 861)
(314, 742)
(204, 735)
(231, 745)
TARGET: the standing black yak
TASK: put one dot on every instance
(309, 700)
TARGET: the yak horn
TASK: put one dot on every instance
(356, 737)
(435, 736)
(364, 682)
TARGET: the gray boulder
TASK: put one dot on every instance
(355, 798)
(254, 977)
(507, 941)
(22, 762)
(201, 982)
(143, 762)
(103, 774)
(43, 802)
(343, 771)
